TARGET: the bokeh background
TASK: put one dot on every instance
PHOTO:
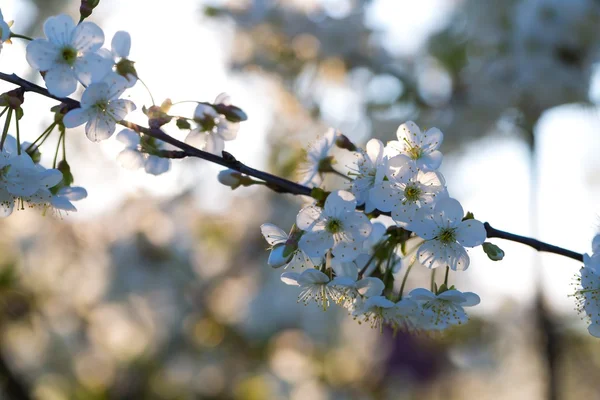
(158, 287)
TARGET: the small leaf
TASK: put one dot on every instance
(493, 252)
(183, 123)
(468, 216)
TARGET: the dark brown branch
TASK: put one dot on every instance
(536, 244)
(274, 182)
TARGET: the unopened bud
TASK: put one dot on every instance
(86, 8)
(279, 256)
(493, 252)
(343, 142)
(230, 178)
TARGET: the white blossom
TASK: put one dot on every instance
(133, 156)
(588, 292)
(372, 168)
(439, 312)
(101, 108)
(317, 154)
(120, 46)
(447, 235)
(337, 227)
(284, 248)
(379, 311)
(352, 289)
(213, 129)
(407, 191)
(314, 286)
(69, 54)
(420, 147)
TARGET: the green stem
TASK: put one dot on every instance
(432, 281)
(18, 36)
(3, 111)
(148, 90)
(61, 137)
(406, 277)
(44, 135)
(18, 136)
(378, 247)
(5, 130)
(446, 276)
(338, 173)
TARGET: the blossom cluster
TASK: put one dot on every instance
(588, 291)
(348, 259)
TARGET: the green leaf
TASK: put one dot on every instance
(468, 216)
(183, 123)
(493, 252)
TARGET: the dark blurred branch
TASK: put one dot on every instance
(10, 385)
(274, 182)
(536, 244)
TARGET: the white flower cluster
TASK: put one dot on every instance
(588, 291)
(23, 181)
(339, 247)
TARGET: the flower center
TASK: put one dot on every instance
(415, 152)
(69, 55)
(334, 225)
(447, 235)
(412, 193)
(102, 106)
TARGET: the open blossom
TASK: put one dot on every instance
(62, 200)
(213, 128)
(101, 108)
(378, 310)
(317, 155)
(69, 54)
(405, 193)
(353, 289)
(420, 147)
(21, 178)
(439, 312)
(284, 248)
(4, 30)
(588, 292)
(337, 227)
(133, 156)
(120, 46)
(447, 235)
(314, 285)
(372, 168)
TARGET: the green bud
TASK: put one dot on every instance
(468, 216)
(125, 68)
(86, 8)
(183, 123)
(232, 113)
(318, 194)
(493, 252)
(65, 168)
(34, 153)
(343, 142)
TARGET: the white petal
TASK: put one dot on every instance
(453, 296)
(73, 193)
(95, 93)
(424, 225)
(116, 84)
(344, 269)
(370, 287)
(277, 258)
(100, 127)
(472, 299)
(76, 117)
(400, 169)
(457, 257)
(339, 202)
(471, 233)
(50, 178)
(41, 54)
(432, 254)
(316, 244)
(312, 276)
(409, 131)
(377, 301)
(121, 44)
(273, 234)
(228, 130)
(129, 137)
(448, 211)
(384, 197)
(375, 150)
(346, 251)
(155, 165)
(60, 80)
(223, 98)
(421, 294)
(356, 225)
(131, 159)
(120, 108)
(594, 330)
(430, 161)
(308, 217)
(62, 203)
(59, 29)
(92, 67)
(290, 278)
(88, 37)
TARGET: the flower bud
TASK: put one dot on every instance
(493, 252)
(230, 178)
(343, 142)
(279, 257)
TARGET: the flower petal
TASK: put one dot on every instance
(59, 29)
(316, 244)
(60, 80)
(87, 37)
(471, 233)
(309, 218)
(273, 234)
(129, 137)
(339, 203)
(121, 44)
(131, 159)
(91, 68)
(100, 127)
(155, 165)
(76, 117)
(41, 54)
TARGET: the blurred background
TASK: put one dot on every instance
(158, 287)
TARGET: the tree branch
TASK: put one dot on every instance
(274, 182)
(536, 244)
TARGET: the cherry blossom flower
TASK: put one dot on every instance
(447, 235)
(372, 168)
(284, 248)
(314, 286)
(379, 310)
(588, 293)
(213, 128)
(4, 30)
(421, 148)
(407, 193)
(101, 108)
(133, 156)
(118, 55)
(317, 157)
(351, 288)
(439, 312)
(63, 199)
(69, 54)
(337, 227)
